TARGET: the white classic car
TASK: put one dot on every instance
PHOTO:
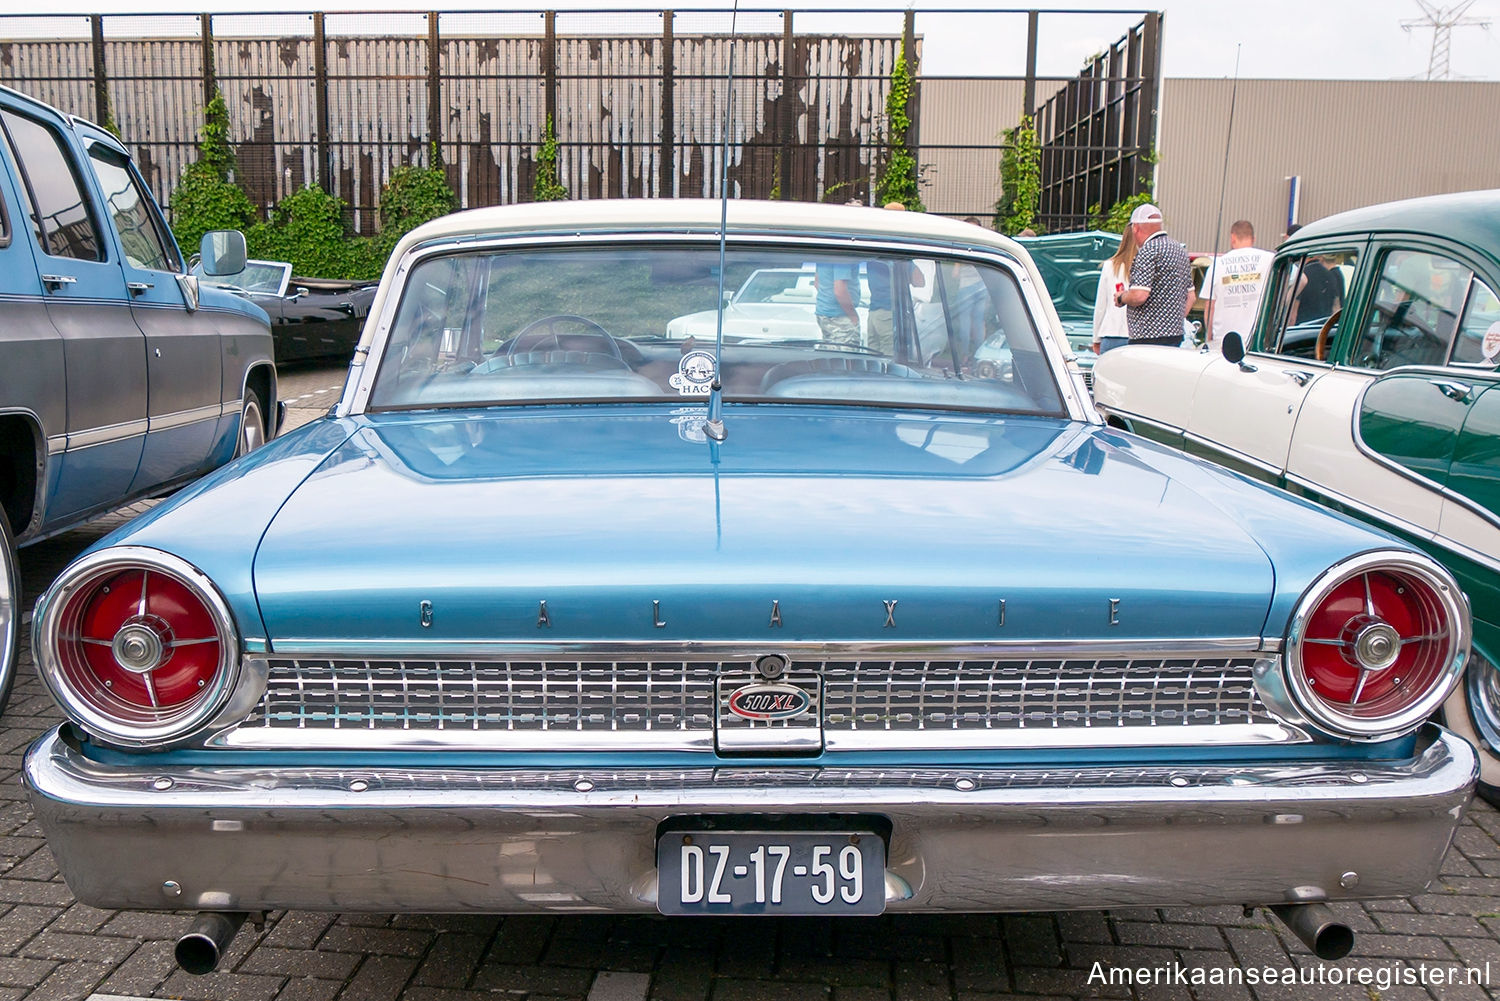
(1371, 384)
(774, 304)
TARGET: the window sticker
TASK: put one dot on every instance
(695, 373)
(1491, 347)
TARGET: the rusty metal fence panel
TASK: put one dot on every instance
(609, 73)
(58, 69)
(270, 87)
(149, 80)
(493, 102)
(637, 99)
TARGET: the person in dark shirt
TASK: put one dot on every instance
(1320, 290)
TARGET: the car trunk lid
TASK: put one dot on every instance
(621, 523)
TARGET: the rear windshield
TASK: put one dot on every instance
(615, 323)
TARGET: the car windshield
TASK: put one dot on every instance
(481, 328)
(778, 285)
(259, 277)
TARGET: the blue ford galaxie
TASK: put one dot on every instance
(559, 612)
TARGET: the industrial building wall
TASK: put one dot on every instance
(1352, 142)
(960, 127)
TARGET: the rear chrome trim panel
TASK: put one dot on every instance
(438, 840)
(1269, 470)
(855, 700)
(973, 650)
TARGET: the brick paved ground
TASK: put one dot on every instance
(53, 948)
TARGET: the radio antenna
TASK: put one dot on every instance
(714, 426)
(1224, 180)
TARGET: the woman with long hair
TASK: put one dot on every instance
(1110, 327)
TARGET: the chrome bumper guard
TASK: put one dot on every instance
(517, 840)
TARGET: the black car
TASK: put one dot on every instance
(310, 317)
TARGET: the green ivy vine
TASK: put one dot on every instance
(899, 176)
(413, 195)
(309, 227)
(548, 187)
(1020, 179)
(206, 197)
(1117, 216)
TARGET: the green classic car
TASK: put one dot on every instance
(1371, 383)
(1070, 264)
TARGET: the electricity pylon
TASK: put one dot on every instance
(1442, 21)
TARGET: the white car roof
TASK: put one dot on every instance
(697, 214)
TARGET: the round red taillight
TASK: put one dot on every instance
(136, 645)
(1377, 644)
(146, 638)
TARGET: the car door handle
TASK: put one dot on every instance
(1299, 377)
(139, 288)
(1453, 390)
(58, 281)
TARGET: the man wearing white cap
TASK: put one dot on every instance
(1161, 283)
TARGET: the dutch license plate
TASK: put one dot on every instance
(770, 872)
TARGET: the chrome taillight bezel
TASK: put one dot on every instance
(99, 714)
(1450, 600)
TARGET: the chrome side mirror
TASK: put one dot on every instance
(222, 252)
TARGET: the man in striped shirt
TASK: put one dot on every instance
(1161, 283)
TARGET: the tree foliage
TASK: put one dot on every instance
(900, 174)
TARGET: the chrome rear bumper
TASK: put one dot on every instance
(515, 840)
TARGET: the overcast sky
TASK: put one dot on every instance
(1346, 39)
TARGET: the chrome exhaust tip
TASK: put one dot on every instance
(201, 947)
(1319, 930)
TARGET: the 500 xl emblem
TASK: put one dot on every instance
(768, 701)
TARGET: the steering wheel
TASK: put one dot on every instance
(553, 329)
(1320, 350)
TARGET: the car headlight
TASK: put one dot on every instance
(1376, 644)
(137, 646)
